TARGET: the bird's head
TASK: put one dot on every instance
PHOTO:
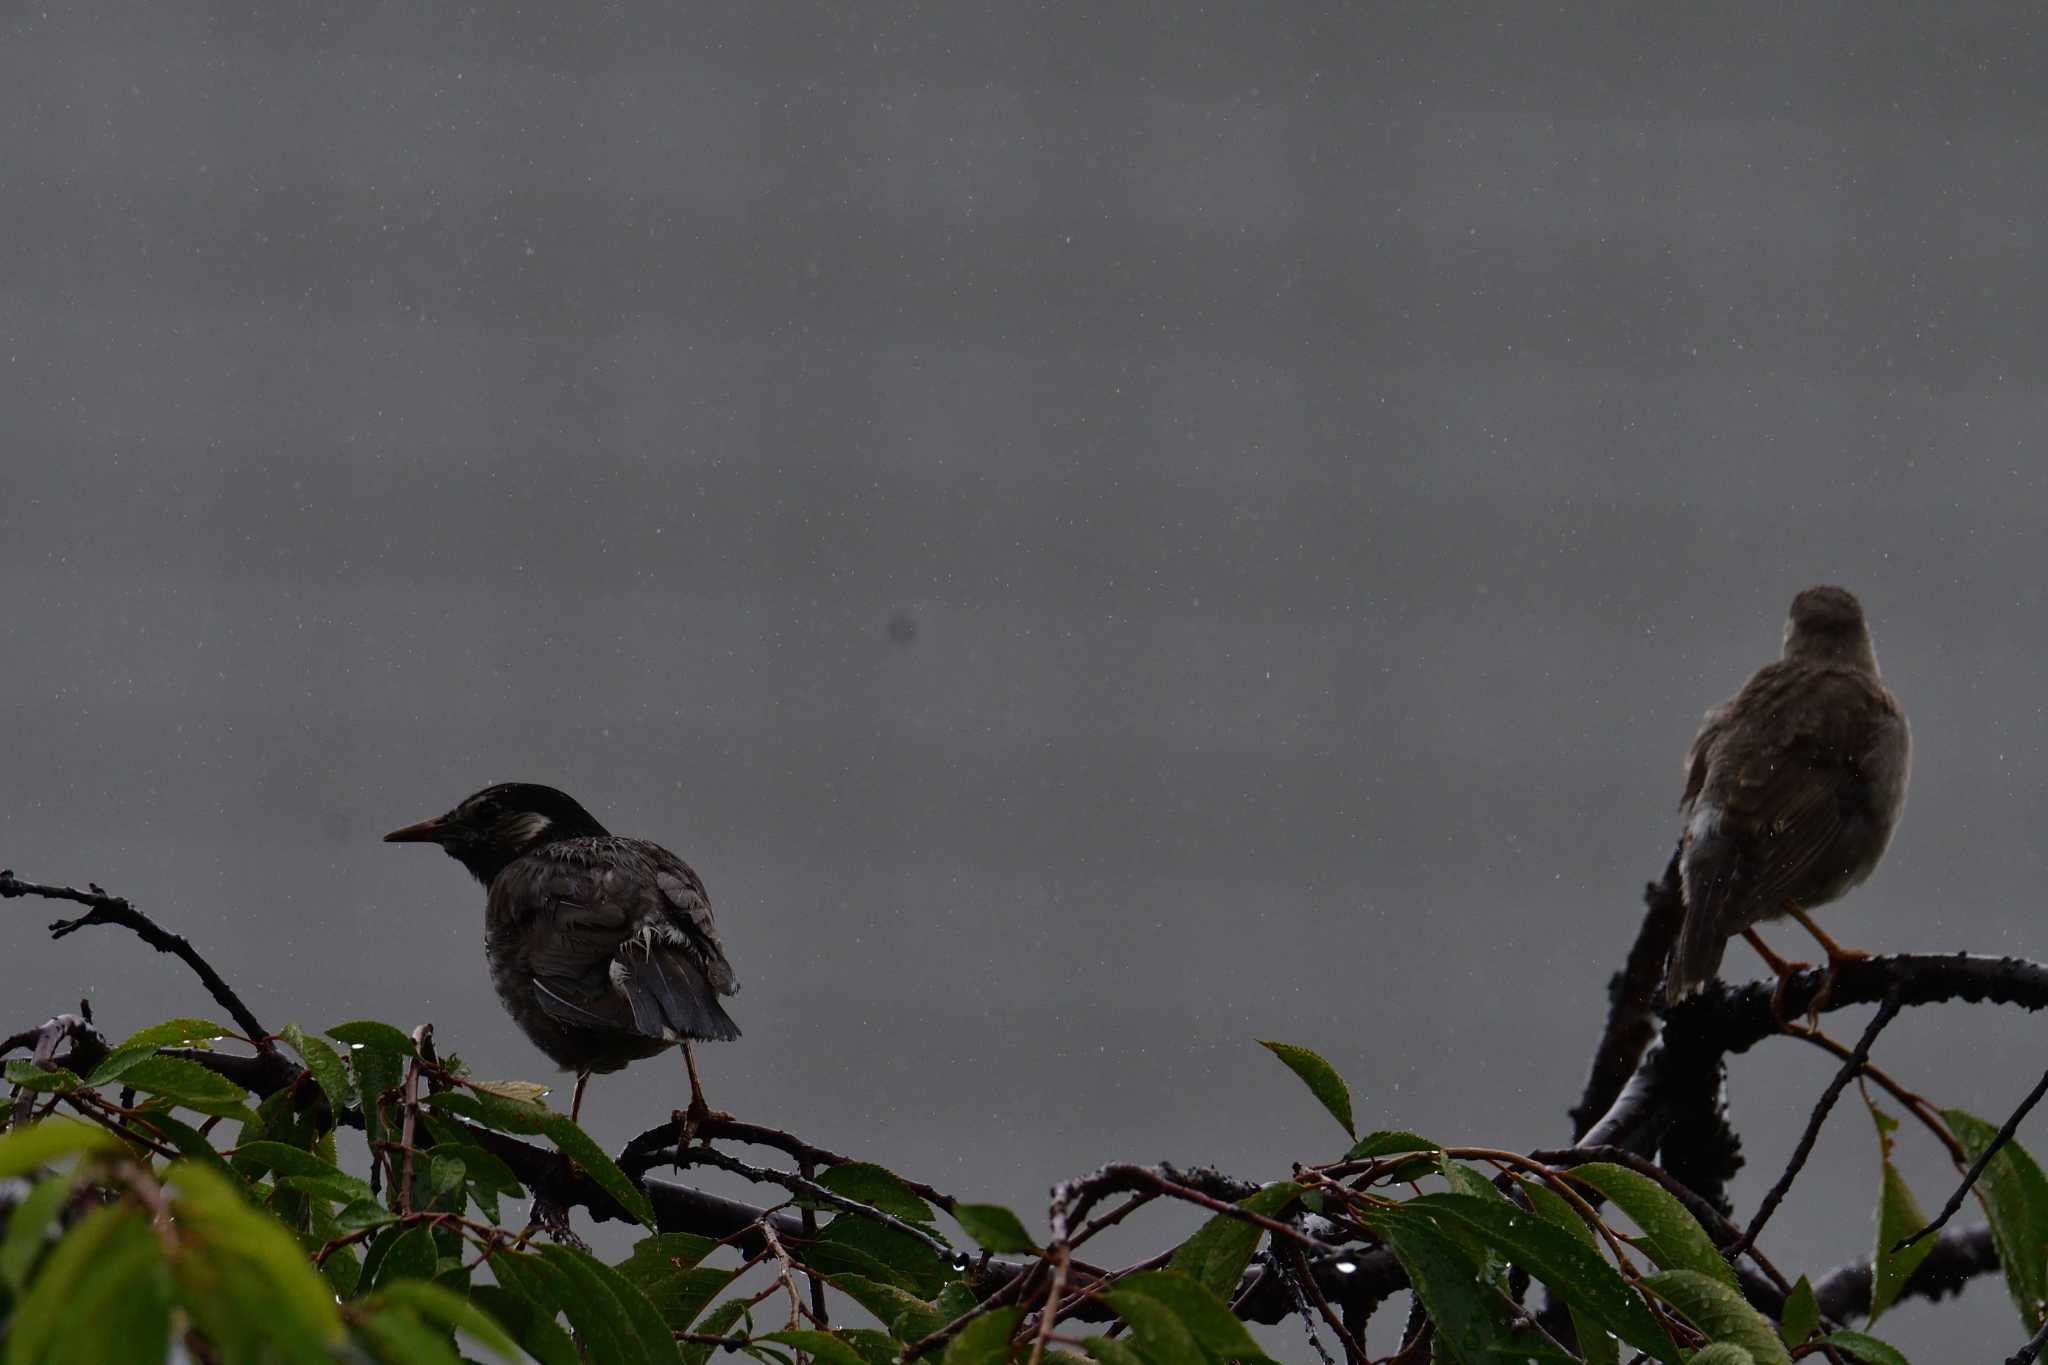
(488, 830)
(1827, 623)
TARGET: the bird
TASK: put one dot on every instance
(601, 948)
(1793, 789)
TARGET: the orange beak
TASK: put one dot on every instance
(425, 832)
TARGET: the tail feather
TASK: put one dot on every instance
(670, 996)
(1708, 875)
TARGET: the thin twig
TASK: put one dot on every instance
(1970, 1177)
(1915, 1105)
(422, 1039)
(105, 909)
(1886, 1012)
(810, 1189)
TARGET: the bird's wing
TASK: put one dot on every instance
(1785, 778)
(688, 907)
(603, 952)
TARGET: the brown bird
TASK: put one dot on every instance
(1793, 788)
(601, 948)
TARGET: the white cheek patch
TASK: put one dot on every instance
(525, 828)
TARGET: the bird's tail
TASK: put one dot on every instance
(1708, 874)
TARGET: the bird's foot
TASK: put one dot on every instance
(1836, 959)
(689, 1122)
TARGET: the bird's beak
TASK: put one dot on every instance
(425, 832)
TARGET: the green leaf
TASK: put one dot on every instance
(189, 1084)
(1865, 1348)
(1470, 1317)
(292, 1161)
(718, 1324)
(30, 1145)
(877, 1187)
(532, 1325)
(1674, 1239)
(994, 1228)
(856, 1244)
(1110, 1351)
(1557, 1258)
(822, 1346)
(664, 1268)
(1162, 1338)
(1720, 1312)
(515, 1116)
(985, 1341)
(1388, 1141)
(1320, 1077)
(300, 1303)
(586, 1275)
(27, 1230)
(439, 1304)
(409, 1255)
(1898, 1217)
(2014, 1194)
(170, 1033)
(1722, 1353)
(326, 1065)
(1597, 1346)
(905, 1315)
(1216, 1256)
(1207, 1317)
(593, 1310)
(29, 1076)
(1801, 1317)
(876, 1348)
(374, 1036)
(38, 1319)
(402, 1339)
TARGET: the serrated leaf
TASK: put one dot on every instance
(1557, 1258)
(1598, 1347)
(1216, 1256)
(985, 1341)
(1319, 1076)
(1720, 1312)
(514, 1116)
(664, 1268)
(588, 1276)
(1722, 1353)
(878, 1187)
(1205, 1315)
(821, 1346)
(291, 1161)
(2014, 1194)
(410, 1255)
(373, 1035)
(328, 1069)
(188, 1084)
(55, 1080)
(903, 1258)
(994, 1228)
(531, 1325)
(1673, 1238)
(1801, 1316)
(1866, 1348)
(1469, 1316)
(402, 1339)
(906, 1316)
(1387, 1142)
(30, 1145)
(525, 1092)
(177, 1033)
(437, 1303)
(1898, 1217)
(1162, 1337)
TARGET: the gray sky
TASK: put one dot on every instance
(1330, 457)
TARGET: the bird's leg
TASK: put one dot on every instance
(699, 1113)
(576, 1104)
(1780, 968)
(1837, 955)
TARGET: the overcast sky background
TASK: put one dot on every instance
(1330, 457)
